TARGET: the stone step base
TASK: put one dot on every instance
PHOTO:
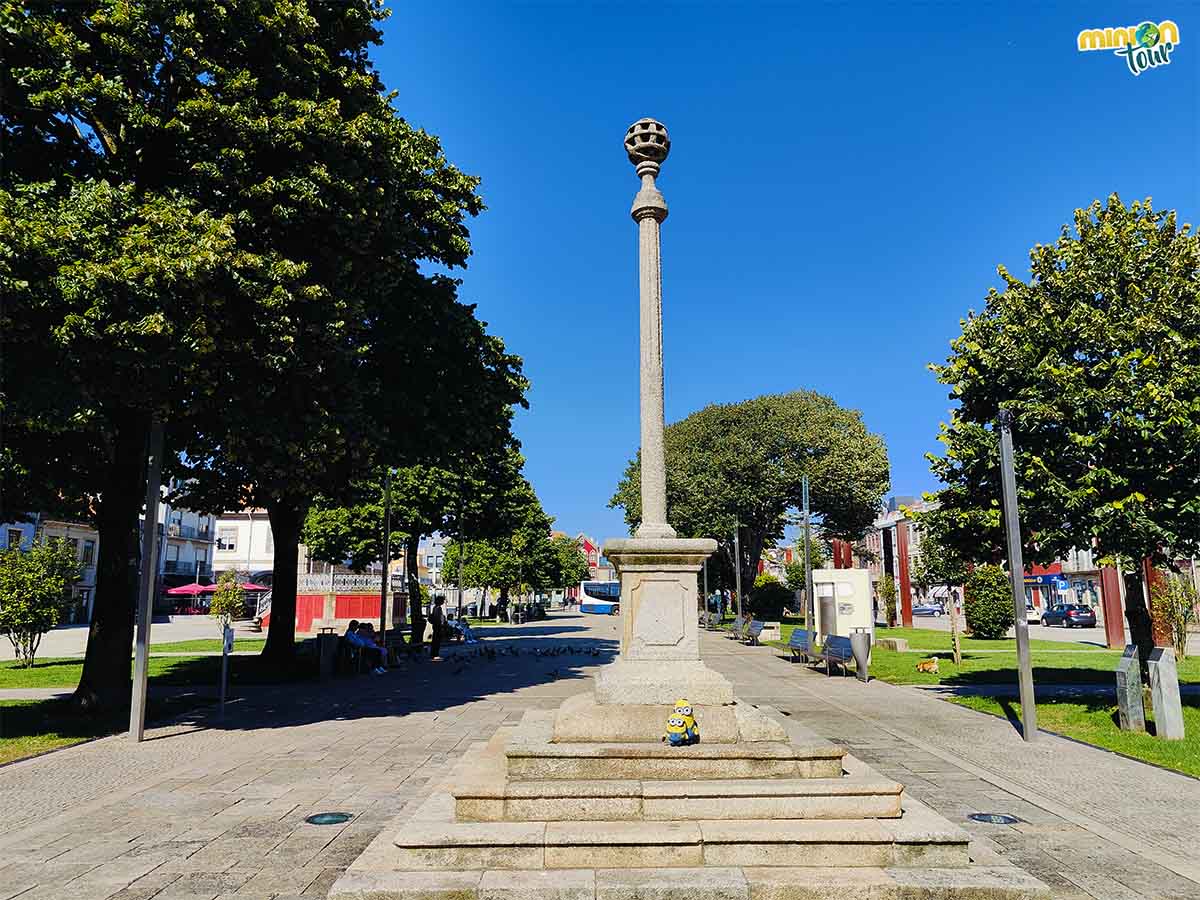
(497, 799)
(725, 883)
(533, 755)
(919, 838)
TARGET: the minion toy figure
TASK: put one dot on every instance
(683, 710)
(677, 732)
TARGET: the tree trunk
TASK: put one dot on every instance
(416, 615)
(1141, 629)
(107, 677)
(286, 518)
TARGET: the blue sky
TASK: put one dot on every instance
(842, 183)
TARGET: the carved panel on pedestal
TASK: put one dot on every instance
(658, 610)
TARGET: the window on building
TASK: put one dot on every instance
(74, 542)
(429, 562)
(270, 541)
(202, 558)
(89, 552)
(227, 539)
(14, 538)
(172, 553)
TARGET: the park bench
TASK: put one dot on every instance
(835, 649)
(801, 645)
(735, 630)
(753, 630)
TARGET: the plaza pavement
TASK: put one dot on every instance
(203, 810)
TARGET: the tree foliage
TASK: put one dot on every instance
(1175, 603)
(35, 592)
(988, 602)
(1097, 355)
(186, 182)
(743, 463)
(888, 595)
(768, 598)
(228, 600)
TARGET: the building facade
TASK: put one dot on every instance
(244, 543)
(84, 540)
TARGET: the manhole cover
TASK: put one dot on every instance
(994, 818)
(329, 818)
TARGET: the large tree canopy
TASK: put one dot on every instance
(743, 463)
(1097, 355)
(261, 285)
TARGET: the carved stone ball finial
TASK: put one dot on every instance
(647, 141)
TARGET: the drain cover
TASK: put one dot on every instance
(994, 818)
(329, 818)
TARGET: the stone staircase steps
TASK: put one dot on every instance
(918, 838)
(495, 799)
(728, 883)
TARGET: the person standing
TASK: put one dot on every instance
(437, 618)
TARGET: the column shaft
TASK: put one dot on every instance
(654, 468)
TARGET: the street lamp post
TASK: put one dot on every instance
(387, 551)
(737, 565)
(810, 614)
(1016, 566)
(137, 708)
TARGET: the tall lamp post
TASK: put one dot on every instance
(141, 660)
(810, 614)
(1016, 566)
(387, 551)
(737, 564)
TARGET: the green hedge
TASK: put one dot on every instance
(988, 602)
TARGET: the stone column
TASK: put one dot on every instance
(660, 645)
(647, 144)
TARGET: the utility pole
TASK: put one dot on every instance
(737, 564)
(387, 551)
(137, 709)
(1016, 566)
(810, 616)
(462, 549)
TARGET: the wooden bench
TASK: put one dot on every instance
(753, 630)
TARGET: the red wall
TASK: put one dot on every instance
(356, 606)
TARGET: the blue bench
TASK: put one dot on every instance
(735, 630)
(753, 630)
(835, 649)
(801, 645)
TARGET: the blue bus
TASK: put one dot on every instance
(601, 598)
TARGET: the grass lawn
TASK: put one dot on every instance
(169, 670)
(1053, 662)
(30, 727)
(1095, 722)
(205, 645)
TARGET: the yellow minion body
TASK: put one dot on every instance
(677, 731)
(683, 710)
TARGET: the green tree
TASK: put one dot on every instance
(1097, 355)
(768, 598)
(743, 463)
(571, 563)
(241, 184)
(987, 602)
(1175, 603)
(35, 593)
(228, 601)
(794, 571)
(888, 594)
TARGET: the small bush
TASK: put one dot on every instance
(1174, 605)
(229, 601)
(768, 598)
(887, 595)
(988, 602)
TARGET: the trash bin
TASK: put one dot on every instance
(860, 646)
(327, 642)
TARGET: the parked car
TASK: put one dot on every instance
(1033, 614)
(1069, 615)
(928, 609)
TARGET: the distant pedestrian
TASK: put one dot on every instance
(437, 618)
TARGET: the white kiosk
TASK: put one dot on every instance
(843, 601)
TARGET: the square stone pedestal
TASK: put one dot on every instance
(660, 638)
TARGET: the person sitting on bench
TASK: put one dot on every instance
(365, 646)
